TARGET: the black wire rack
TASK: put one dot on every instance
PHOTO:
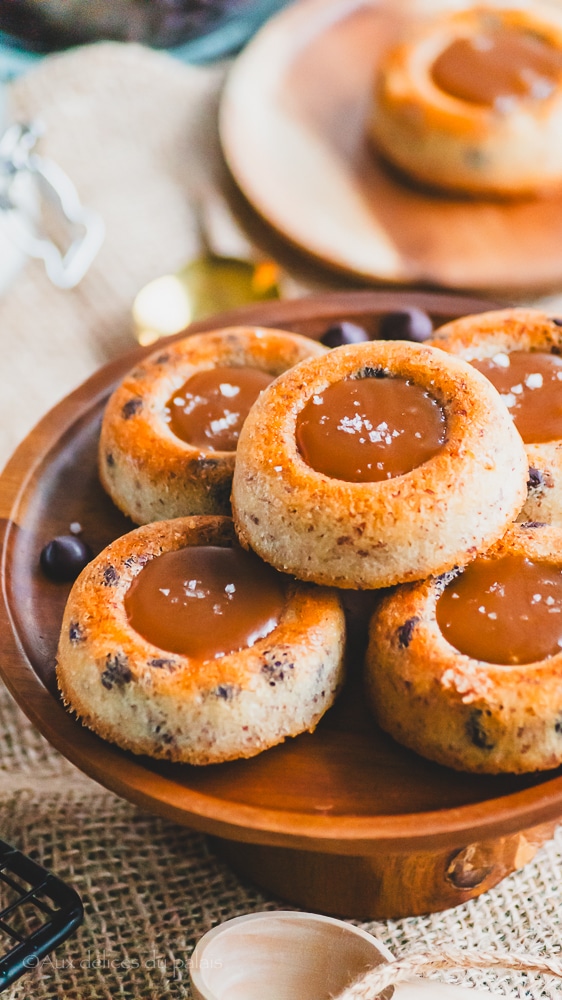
(37, 912)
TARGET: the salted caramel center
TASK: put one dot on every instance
(530, 383)
(497, 68)
(363, 430)
(205, 601)
(506, 610)
(210, 408)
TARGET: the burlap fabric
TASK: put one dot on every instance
(137, 133)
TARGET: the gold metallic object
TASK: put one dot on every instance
(210, 283)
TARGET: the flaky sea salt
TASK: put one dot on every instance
(501, 360)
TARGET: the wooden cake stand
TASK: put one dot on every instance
(344, 820)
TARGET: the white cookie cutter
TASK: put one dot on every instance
(26, 179)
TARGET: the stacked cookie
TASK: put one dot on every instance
(175, 642)
(380, 463)
(466, 667)
(374, 465)
(520, 351)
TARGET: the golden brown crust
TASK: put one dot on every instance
(169, 706)
(150, 473)
(370, 535)
(445, 142)
(465, 713)
(504, 330)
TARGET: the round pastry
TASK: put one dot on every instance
(465, 668)
(178, 644)
(520, 351)
(170, 429)
(472, 101)
(380, 463)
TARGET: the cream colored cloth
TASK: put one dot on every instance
(137, 133)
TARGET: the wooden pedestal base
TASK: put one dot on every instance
(383, 884)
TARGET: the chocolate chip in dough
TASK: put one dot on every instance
(405, 632)
(110, 576)
(131, 407)
(476, 731)
(535, 479)
(117, 671)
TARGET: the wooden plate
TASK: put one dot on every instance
(345, 794)
(293, 132)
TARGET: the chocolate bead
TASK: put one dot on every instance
(64, 557)
(343, 333)
(406, 324)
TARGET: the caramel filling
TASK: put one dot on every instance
(210, 408)
(530, 383)
(205, 601)
(363, 430)
(506, 610)
(499, 67)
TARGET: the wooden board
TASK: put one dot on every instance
(292, 125)
(348, 789)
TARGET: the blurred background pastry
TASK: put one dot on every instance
(472, 101)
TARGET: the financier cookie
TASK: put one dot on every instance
(170, 430)
(520, 351)
(178, 644)
(466, 668)
(380, 463)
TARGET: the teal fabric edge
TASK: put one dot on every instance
(13, 60)
(226, 40)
